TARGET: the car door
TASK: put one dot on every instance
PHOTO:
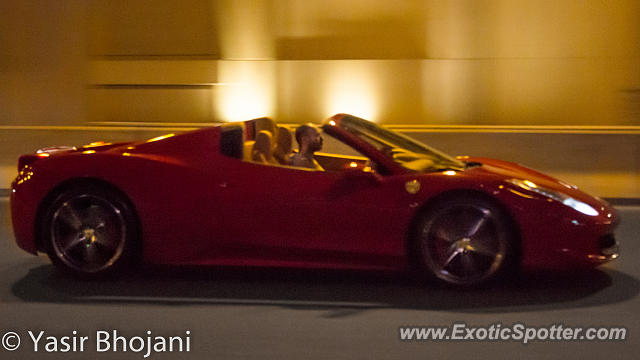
(268, 215)
(312, 218)
(276, 215)
(356, 218)
(257, 211)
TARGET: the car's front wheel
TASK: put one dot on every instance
(465, 241)
(90, 231)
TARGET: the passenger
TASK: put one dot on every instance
(309, 141)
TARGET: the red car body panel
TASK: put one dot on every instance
(197, 206)
(553, 235)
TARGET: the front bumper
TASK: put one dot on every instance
(609, 250)
(557, 237)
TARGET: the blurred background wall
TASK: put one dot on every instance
(551, 84)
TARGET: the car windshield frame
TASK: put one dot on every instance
(401, 149)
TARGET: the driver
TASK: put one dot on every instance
(309, 141)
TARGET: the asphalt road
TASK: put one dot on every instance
(285, 314)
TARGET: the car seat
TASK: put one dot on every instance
(283, 148)
(262, 151)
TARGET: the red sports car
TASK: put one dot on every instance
(226, 195)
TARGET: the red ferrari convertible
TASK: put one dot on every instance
(226, 195)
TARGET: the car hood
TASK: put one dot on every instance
(508, 170)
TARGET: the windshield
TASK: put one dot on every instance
(405, 151)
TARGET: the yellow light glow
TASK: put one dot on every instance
(96, 144)
(350, 89)
(449, 172)
(530, 184)
(353, 164)
(89, 152)
(332, 123)
(43, 155)
(126, 154)
(412, 186)
(161, 137)
(248, 90)
(521, 194)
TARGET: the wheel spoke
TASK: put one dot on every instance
(451, 257)
(486, 214)
(105, 244)
(481, 249)
(75, 241)
(465, 243)
(69, 216)
(88, 233)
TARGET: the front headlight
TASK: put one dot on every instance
(565, 199)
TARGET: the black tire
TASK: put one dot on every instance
(465, 241)
(90, 231)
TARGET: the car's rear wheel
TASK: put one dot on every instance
(90, 231)
(465, 241)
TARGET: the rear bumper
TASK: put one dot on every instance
(22, 218)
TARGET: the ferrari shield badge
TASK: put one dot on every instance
(412, 186)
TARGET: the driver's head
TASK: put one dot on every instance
(308, 137)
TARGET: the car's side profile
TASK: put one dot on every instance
(225, 195)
